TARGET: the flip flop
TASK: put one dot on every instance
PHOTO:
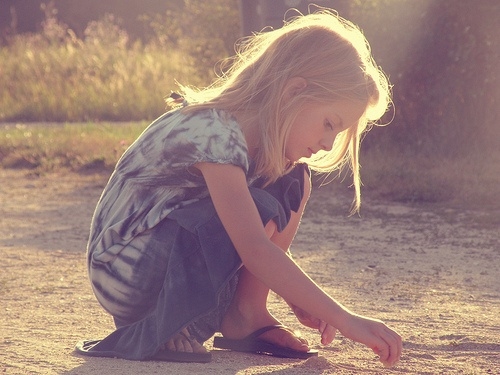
(252, 344)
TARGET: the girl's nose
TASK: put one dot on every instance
(326, 147)
(327, 142)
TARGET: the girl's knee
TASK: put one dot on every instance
(271, 229)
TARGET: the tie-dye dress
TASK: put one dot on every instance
(159, 258)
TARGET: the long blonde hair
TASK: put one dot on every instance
(332, 55)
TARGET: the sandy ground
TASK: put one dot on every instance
(431, 272)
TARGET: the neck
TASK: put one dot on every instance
(249, 124)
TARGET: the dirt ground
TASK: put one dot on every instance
(431, 272)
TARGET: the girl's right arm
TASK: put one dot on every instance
(237, 211)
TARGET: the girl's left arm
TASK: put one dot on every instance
(267, 261)
(262, 257)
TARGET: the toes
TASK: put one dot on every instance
(297, 343)
(183, 342)
(176, 344)
(198, 348)
(170, 345)
(286, 338)
(302, 340)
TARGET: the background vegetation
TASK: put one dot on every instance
(55, 75)
(441, 56)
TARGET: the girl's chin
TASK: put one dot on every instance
(292, 158)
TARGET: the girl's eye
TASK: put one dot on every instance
(328, 124)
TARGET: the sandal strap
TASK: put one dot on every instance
(265, 329)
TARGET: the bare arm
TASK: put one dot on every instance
(231, 198)
(229, 192)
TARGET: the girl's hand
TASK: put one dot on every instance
(327, 331)
(384, 342)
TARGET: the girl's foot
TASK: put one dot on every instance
(183, 348)
(184, 342)
(237, 325)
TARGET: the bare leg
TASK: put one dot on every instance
(248, 310)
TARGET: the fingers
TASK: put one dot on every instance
(305, 318)
(322, 326)
(390, 348)
(396, 346)
(383, 355)
(328, 333)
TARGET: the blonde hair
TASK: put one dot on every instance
(333, 56)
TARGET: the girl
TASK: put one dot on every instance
(194, 226)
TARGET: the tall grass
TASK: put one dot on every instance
(55, 76)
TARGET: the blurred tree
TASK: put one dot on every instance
(259, 14)
(442, 57)
(449, 91)
(204, 31)
(21, 16)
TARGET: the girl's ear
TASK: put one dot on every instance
(293, 87)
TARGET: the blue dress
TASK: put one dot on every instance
(159, 258)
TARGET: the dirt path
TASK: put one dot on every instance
(432, 273)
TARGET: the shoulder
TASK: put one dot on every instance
(212, 132)
(177, 140)
(210, 122)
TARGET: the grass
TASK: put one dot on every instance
(471, 181)
(55, 76)
(75, 146)
(71, 82)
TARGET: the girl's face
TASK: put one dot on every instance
(317, 125)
